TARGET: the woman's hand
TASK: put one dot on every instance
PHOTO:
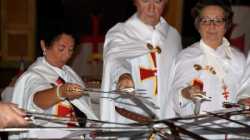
(125, 81)
(70, 91)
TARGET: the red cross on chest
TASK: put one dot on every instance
(66, 111)
(148, 73)
(225, 92)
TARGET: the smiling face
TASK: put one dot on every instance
(149, 11)
(60, 50)
(212, 25)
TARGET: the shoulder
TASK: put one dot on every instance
(69, 69)
(238, 58)
(237, 53)
(169, 29)
(28, 75)
(191, 52)
(173, 31)
(130, 26)
(74, 75)
(117, 32)
(117, 28)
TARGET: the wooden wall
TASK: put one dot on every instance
(173, 13)
(17, 30)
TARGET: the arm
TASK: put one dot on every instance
(184, 87)
(49, 97)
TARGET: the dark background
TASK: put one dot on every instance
(75, 15)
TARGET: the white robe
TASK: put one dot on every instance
(125, 49)
(228, 64)
(39, 76)
(244, 90)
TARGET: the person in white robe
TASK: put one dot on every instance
(217, 73)
(210, 67)
(50, 86)
(140, 53)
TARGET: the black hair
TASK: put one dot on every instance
(224, 4)
(52, 33)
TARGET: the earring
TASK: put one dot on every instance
(44, 53)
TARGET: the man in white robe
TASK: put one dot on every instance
(42, 75)
(127, 51)
(218, 73)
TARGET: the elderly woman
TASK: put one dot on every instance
(210, 67)
(49, 85)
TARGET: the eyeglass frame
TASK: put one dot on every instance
(210, 21)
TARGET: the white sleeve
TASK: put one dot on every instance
(34, 85)
(25, 88)
(182, 106)
(183, 77)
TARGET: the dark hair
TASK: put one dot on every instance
(53, 33)
(224, 4)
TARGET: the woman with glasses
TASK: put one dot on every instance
(208, 72)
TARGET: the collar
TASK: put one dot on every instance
(225, 46)
(150, 27)
(58, 70)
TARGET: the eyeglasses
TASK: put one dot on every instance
(214, 21)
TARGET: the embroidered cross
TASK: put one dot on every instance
(225, 92)
(198, 82)
(206, 68)
(146, 73)
(66, 111)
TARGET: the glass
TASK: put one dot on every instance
(214, 21)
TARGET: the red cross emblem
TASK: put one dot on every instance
(66, 111)
(225, 92)
(146, 73)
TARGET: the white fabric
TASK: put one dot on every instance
(41, 75)
(125, 48)
(228, 64)
(6, 94)
(244, 90)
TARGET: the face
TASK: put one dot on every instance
(149, 11)
(60, 51)
(212, 25)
